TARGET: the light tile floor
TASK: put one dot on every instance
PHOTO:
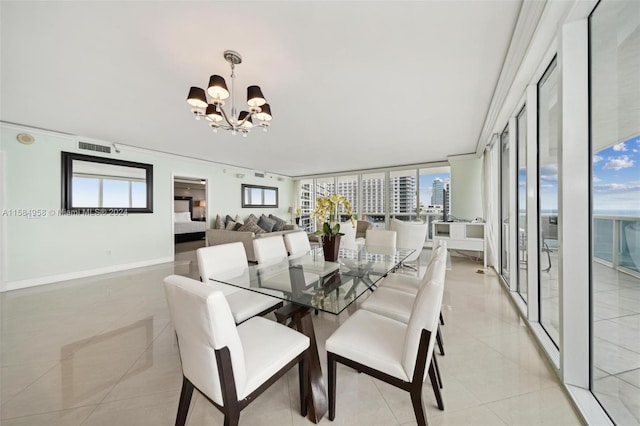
(102, 351)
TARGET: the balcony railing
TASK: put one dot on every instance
(616, 242)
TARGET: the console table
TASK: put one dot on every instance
(461, 236)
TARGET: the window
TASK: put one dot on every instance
(348, 186)
(373, 199)
(548, 169)
(615, 193)
(403, 194)
(435, 185)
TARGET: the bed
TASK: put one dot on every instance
(184, 228)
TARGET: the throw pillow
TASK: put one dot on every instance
(279, 226)
(251, 227)
(266, 223)
(228, 219)
(251, 219)
(219, 223)
(238, 220)
(237, 226)
(230, 225)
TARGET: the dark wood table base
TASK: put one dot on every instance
(299, 317)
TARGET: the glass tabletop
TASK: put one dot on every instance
(313, 282)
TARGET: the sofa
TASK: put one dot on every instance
(215, 237)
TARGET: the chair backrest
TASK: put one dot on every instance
(411, 235)
(214, 260)
(204, 323)
(437, 266)
(362, 226)
(424, 315)
(269, 249)
(348, 240)
(378, 239)
(297, 243)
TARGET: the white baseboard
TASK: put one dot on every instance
(32, 282)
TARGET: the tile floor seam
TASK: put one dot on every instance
(47, 412)
(495, 413)
(129, 369)
(387, 402)
(29, 385)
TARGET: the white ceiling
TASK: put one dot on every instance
(352, 85)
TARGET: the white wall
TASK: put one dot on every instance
(466, 188)
(57, 248)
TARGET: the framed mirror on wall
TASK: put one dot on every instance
(105, 185)
(259, 196)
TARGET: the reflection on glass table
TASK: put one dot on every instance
(312, 282)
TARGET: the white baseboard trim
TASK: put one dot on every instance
(32, 282)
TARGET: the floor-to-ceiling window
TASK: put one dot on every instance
(403, 194)
(348, 186)
(504, 203)
(306, 205)
(548, 165)
(615, 147)
(522, 203)
(434, 195)
(373, 199)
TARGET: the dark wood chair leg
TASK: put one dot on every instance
(439, 340)
(232, 419)
(185, 401)
(435, 364)
(436, 388)
(331, 369)
(302, 380)
(418, 406)
(441, 318)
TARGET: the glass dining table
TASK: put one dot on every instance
(310, 283)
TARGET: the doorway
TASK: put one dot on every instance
(189, 215)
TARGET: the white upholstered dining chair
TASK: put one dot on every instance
(410, 235)
(383, 242)
(389, 350)
(229, 365)
(230, 258)
(297, 243)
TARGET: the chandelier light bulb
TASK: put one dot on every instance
(218, 87)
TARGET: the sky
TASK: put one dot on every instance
(616, 180)
(616, 177)
(426, 182)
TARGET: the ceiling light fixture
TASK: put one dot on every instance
(211, 109)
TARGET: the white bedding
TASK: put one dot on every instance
(189, 227)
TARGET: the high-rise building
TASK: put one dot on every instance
(436, 194)
(402, 192)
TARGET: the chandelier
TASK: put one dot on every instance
(212, 111)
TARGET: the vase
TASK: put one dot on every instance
(331, 247)
(297, 221)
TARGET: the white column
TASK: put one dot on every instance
(574, 207)
(533, 305)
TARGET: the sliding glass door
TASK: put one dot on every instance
(615, 212)
(523, 256)
(548, 168)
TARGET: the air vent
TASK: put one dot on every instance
(259, 174)
(94, 147)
